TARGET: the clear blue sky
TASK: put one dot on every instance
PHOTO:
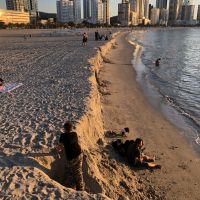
(50, 5)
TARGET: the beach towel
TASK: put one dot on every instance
(8, 87)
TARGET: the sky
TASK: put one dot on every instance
(50, 5)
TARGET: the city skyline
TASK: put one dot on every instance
(50, 5)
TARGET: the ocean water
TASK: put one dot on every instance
(174, 87)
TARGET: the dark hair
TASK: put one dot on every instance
(138, 141)
(126, 129)
(68, 126)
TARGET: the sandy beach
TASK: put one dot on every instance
(179, 177)
(95, 87)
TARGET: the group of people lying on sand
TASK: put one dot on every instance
(132, 151)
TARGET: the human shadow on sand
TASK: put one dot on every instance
(54, 169)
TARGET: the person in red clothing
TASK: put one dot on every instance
(69, 142)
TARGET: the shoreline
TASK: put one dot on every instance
(173, 114)
(131, 108)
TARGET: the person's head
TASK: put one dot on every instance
(126, 129)
(159, 58)
(139, 142)
(68, 126)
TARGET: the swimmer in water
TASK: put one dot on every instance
(157, 63)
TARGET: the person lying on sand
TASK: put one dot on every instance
(112, 133)
(136, 158)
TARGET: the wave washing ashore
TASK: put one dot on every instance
(173, 87)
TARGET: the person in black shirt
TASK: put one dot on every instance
(69, 142)
(136, 158)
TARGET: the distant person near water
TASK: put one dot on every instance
(136, 158)
(85, 38)
(96, 35)
(69, 142)
(157, 63)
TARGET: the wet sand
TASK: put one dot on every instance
(126, 106)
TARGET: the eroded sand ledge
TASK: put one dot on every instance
(104, 171)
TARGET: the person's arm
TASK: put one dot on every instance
(59, 147)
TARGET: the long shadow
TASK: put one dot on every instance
(55, 172)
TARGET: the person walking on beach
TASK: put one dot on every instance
(136, 158)
(85, 38)
(69, 141)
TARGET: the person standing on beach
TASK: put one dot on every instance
(69, 141)
(85, 38)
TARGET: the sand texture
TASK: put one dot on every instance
(55, 71)
(95, 87)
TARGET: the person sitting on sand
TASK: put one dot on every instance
(69, 142)
(85, 38)
(157, 63)
(136, 158)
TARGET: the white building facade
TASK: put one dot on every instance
(68, 11)
(155, 13)
(65, 11)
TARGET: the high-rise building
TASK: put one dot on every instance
(150, 8)
(163, 16)
(65, 11)
(187, 13)
(106, 11)
(132, 4)
(155, 13)
(146, 9)
(69, 11)
(124, 13)
(77, 11)
(198, 13)
(18, 5)
(100, 11)
(174, 11)
(96, 11)
(161, 4)
(14, 17)
(87, 9)
(141, 9)
(32, 6)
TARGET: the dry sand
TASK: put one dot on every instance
(101, 93)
